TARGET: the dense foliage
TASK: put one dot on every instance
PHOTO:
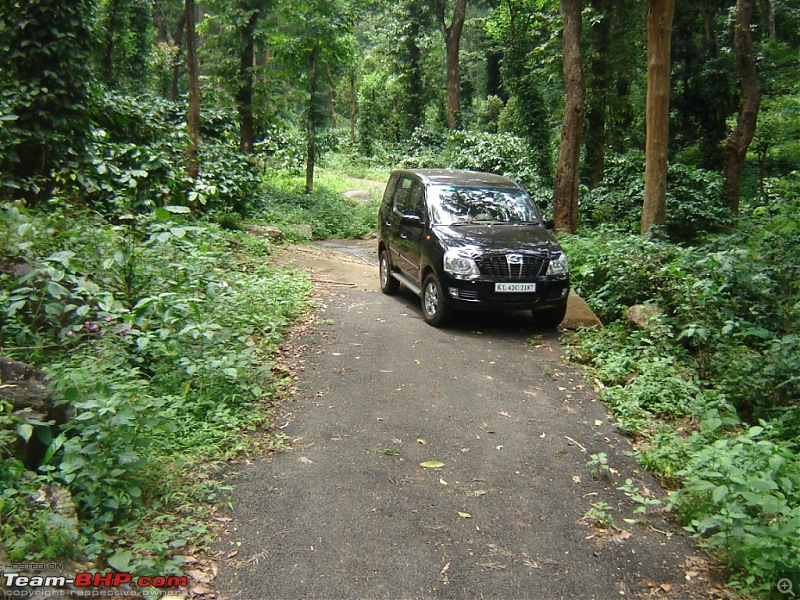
(710, 388)
(158, 333)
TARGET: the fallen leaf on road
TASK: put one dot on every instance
(431, 464)
(421, 441)
(464, 515)
(576, 479)
(444, 569)
(198, 575)
(442, 481)
(504, 414)
(201, 590)
(306, 460)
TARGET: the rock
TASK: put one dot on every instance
(16, 267)
(59, 501)
(306, 230)
(23, 386)
(579, 314)
(265, 231)
(643, 316)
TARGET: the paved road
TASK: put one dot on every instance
(348, 512)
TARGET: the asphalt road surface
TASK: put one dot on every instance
(349, 512)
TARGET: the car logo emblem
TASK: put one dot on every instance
(515, 260)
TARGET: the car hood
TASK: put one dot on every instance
(501, 239)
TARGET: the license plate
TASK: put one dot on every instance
(515, 287)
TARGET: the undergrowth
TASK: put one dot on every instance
(710, 388)
(157, 335)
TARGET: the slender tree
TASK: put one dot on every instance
(248, 21)
(739, 140)
(598, 85)
(193, 163)
(313, 116)
(177, 66)
(452, 41)
(565, 193)
(319, 45)
(659, 33)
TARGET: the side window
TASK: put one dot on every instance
(389, 192)
(401, 195)
(416, 201)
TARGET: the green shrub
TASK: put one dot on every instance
(162, 355)
(694, 198)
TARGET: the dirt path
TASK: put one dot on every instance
(349, 512)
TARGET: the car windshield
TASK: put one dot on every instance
(454, 205)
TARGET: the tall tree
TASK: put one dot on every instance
(44, 88)
(452, 42)
(125, 43)
(565, 193)
(413, 20)
(522, 28)
(193, 163)
(659, 33)
(248, 21)
(739, 140)
(598, 84)
(317, 42)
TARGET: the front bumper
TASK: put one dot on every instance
(480, 294)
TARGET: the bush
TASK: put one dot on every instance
(694, 198)
(500, 153)
(711, 389)
(159, 339)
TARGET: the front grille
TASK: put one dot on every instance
(496, 266)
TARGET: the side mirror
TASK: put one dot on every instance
(411, 220)
(550, 224)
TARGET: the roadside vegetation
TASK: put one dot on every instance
(708, 389)
(136, 149)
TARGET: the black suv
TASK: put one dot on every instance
(460, 239)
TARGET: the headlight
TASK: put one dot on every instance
(460, 266)
(558, 265)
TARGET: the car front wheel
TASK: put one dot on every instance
(550, 317)
(389, 285)
(434, 310)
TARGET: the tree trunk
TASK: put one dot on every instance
(739, 140)
(193, 165)
(244, 95)
(452, 41)
(597, 106)
(353, 107)
(176, 65)
(659, 31)
(331, 99)
(565, 193)
(311, 120)
(768, 16)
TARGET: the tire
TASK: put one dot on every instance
(389, 285)
(434, 310)
(550, 318)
